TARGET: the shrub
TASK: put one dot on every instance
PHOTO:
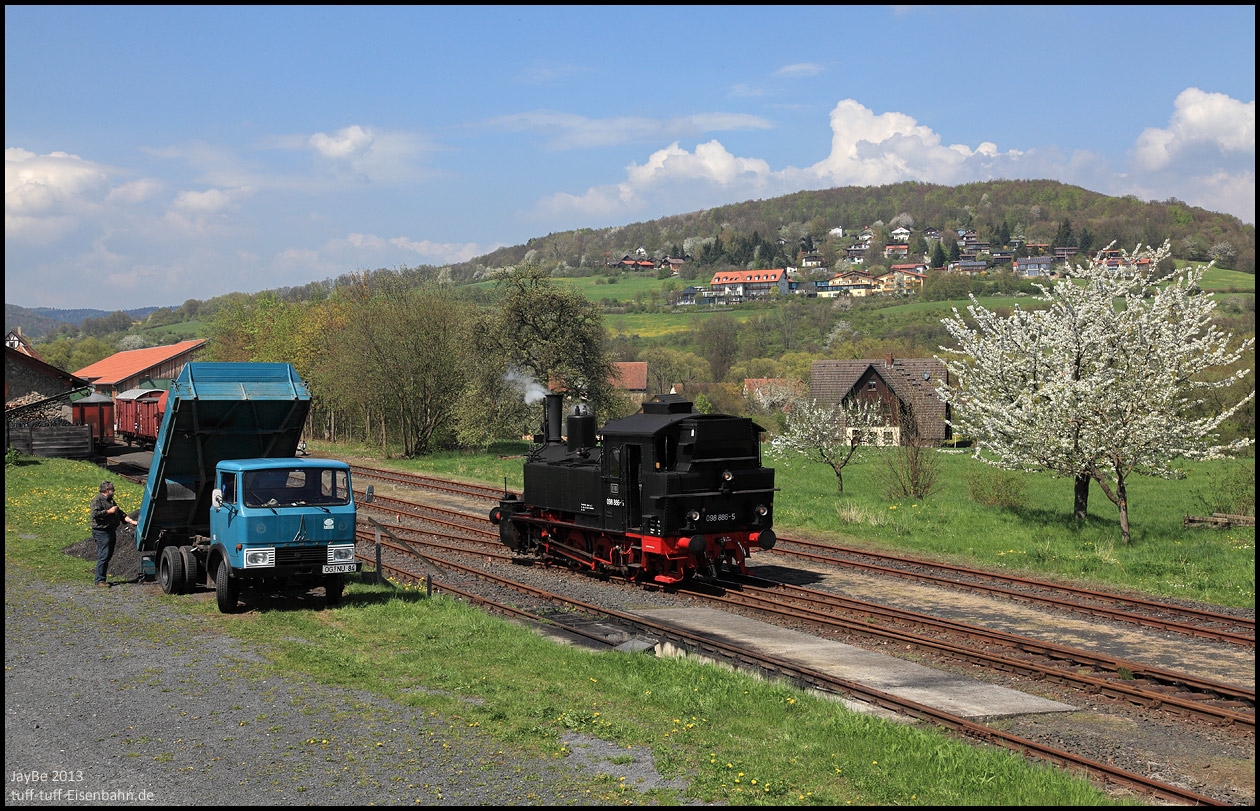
(994, 487)
(1233, 493)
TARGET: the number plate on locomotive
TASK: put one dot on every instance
(341, 568)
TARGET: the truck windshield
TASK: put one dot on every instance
(296, 487)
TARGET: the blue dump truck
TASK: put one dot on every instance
(229, 503)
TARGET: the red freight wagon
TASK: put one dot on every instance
(138, 414)
(96, 410)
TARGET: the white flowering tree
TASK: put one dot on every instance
(822, 432)
(1110, 379)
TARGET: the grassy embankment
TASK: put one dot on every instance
(737, 739)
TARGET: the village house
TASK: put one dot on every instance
(1033, 266)
(854, 283)
(901, 279)
(738, 285)
(900, 385)
(968, 267)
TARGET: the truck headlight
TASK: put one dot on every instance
(260, 558)
(341, 554)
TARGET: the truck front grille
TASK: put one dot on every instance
(301, 556)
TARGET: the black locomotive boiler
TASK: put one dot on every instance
(658, 497)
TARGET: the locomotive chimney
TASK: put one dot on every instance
(554, 417)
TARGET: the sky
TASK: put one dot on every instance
(158, 154)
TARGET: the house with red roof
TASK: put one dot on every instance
(630, 377)
(737, 285)
(155, 366)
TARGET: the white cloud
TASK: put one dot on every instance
(799, 69)
(343, 144)
(1199, 119)
(569, 131)
(371, 250)
(139, 191)
(47, 196)
(709, 162)
(203, 202)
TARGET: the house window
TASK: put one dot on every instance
(881, 437)
(870, 385)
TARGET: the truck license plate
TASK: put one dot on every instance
(341, 568)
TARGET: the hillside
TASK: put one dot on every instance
(1033, 209)
(36, 322)
(775, 229)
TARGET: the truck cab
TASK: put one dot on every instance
(276, 518)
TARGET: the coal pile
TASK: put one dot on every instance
(124, 565)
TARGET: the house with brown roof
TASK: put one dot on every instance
(900, 385)
(901, 279)
(850, 283)
(158, 365)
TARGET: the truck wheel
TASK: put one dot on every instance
(171, 571)
(334, 585)
(225, 589)
(192, 569)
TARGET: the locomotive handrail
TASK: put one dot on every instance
(694, 459)
(719, 493)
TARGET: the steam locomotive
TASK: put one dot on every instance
(660, 496)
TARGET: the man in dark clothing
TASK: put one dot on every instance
(106, 516)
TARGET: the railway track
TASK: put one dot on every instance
(1143, 685)
(1136, 610)
(407, 565)
(1140, 611)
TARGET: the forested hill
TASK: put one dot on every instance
(1035, 210)
(772, 233)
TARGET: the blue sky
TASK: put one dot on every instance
(158, 154)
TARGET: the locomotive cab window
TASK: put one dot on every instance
(666, 452)
(614, 463)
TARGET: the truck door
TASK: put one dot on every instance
(221, 519)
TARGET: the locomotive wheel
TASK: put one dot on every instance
(171, 571)
(577, 541)
(603, 551)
